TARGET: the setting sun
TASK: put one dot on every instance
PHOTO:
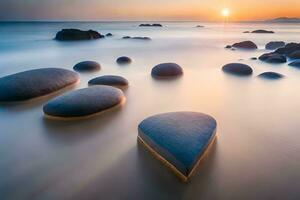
(225, 12)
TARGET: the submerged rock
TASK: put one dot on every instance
(228, 47)
(180, 139)
(273, 58)
(115, 81)
(271, 75)
(150, 25)
(288, 49)
(275, 45)
(295, 63)
(253, 58)
(165, 70)
(137, 38)
(87, 66)
(35, 83)
(238, 69)
(109, 35)
(262, 31)
(123, 60)
(245, 45)
(199, 26)
(84, 102)
(295, 55)
(76, 34)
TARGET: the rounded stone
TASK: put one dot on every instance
(295, 63)
(165, 70)
(35, 83)
(245, 45)
(109, 35)
(87, 66)
(238, 69)
(275, 45)
(262, 31)
(84, 102)
(124, 60)
(179, 139)
(115, 81)
(271, 75)
(273, 58)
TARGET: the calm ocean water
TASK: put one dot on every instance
(257, 153)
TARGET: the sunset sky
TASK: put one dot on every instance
(206, 10)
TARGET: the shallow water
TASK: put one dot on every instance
(257, 153)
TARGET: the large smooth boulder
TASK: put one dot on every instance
(262, 31)
(179, 139)
(166, 70)
(245, 45)
(87, 66)
(84, 102)
(270, 75)
(237, 69)
(35, 83)
(115, 81)
(294, 55)
(273, 58)
(275, 45)
(123, 60)
(76, 34)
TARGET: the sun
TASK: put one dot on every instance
(225, 12)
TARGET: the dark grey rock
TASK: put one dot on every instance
(109, 35)
(288, 49)
(180, 138)
(165, 70)
(126, 37)
(137, 38)
(87, 66)
(199, 26)
(295, 55)
(115, 81)
(253, 58)
(295, 64)
(246, 32)
(271, 75)
(84, 102)
(35, 83)
(150, 25)
(76, 34)
(273, 58)
(245, 45)
(275, 45)
(262, 31)
(238, 69)
(228, 47)
(123, 60)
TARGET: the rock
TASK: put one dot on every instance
(76, 34)
(238, 69)
(35, 83)
(84, 102)
(275, 45)
(295, 55)
(199, 26)
(123, 60)
(253, 58)
(87, 66)
(115, 81)
(166, 70)
(137, 38)
(245, 45)
(228, 47)
(262, 31)
(288, 49)
(178, 139)
(109, 35)
(295, 63)
(150, 25)
(273, 58)
(271, 75)
(246, 32)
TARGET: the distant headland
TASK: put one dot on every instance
(284, 20)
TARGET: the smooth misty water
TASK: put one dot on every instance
(257, 153)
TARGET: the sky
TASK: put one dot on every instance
(101, 10)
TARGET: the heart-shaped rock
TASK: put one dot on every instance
(179, 139)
